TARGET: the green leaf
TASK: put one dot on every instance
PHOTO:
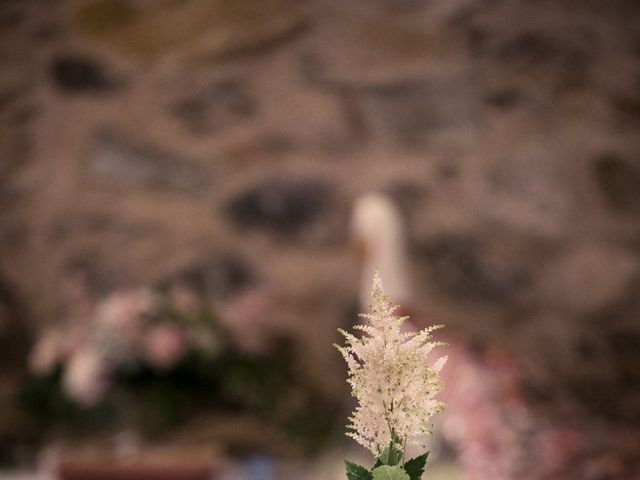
(384, 456)
(415, 466)
(390, 456)
(387, 472)
(357, 472)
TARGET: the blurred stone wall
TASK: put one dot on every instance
(139, 137)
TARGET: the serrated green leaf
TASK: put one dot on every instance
(357, 472)
(415, 466)
(387, 472)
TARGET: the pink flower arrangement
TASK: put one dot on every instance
(126, 327)
(499, 434)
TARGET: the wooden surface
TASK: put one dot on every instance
(148, 464)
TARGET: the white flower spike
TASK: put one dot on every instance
(391, 378)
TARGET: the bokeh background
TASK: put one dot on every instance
(220, 146)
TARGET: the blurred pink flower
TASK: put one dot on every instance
(184, 298)
(124, 313)
(244, 315)
(165, 345)
(47, 353)
(500, 435)
(123, 309)
(86, 377)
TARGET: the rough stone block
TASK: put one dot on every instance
(118, 162)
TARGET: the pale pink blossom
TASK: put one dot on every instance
(184, 299)
(86, 377)
(165, 345)
(243, 316)
(391, 378)
(47, 353)
(125, 309)
(122, 315)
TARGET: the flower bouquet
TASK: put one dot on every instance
(150, 360)
(129, 358)
(395, 388)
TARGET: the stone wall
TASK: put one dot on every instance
(140, 137)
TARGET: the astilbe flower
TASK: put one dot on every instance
(390, 377)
